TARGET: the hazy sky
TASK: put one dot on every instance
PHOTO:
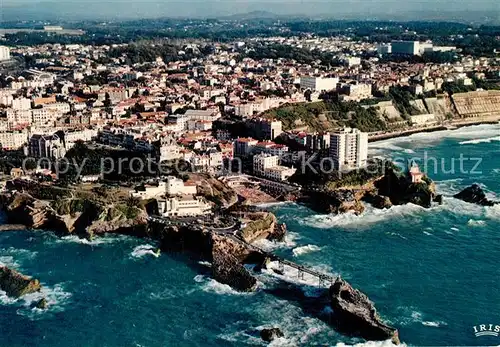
(74, 9)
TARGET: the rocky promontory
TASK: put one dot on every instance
(70, 212)
(475, 195)
(262, 225)
(382, 186)
(15, 284)
(355, 314)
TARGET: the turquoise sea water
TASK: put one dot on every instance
(431, 273)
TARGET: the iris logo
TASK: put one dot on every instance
(486, 330)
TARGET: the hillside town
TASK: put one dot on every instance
(212, 105)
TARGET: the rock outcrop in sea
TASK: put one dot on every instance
(270, 334)
(228, 270)
(392, 188)
(475, 195)
(15, 284)
(355, 314)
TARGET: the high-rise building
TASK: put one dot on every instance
(318, 83)
(4, 53)
(384, 48)
(405, 47)
(349, 149)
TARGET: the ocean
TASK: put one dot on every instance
(432, 273)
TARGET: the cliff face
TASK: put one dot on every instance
(355, 314)
(227, 268)
(383, 192)
(68, 215)
(16, 284)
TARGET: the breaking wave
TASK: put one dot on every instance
(210, 285)
(101, 240)
(482, 140)
(57, 298)
(434, 324)
(370, 216)
(476, 223)
(142, 250)
(269, 246)
(305, 249)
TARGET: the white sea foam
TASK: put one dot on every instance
(480, 140)
(434, 324)
(142, 250)
(269, 246)
(7, 260)
(370, 216)
(291, 275)
(205, 263)
(94, 242)
(297, 328)
(493, 212)
(386, 343)
(305, 249)
(57, 298)
(210, 285)
(449, 187)
(476, 223)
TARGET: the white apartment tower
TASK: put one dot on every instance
(349, 149)
(4, 53)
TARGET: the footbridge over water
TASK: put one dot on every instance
(230, 233)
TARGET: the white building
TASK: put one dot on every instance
(352, 61)
(176, 186)
(349, 149)
(266, 165)
(357, 92)
(185, 206)
(405, 47)
(19, 117)
(12, 140)
(4, 53)
(318, 83)
(43, 117)
(149, 191)
(21, 104)
(385, 48)
(169, 149)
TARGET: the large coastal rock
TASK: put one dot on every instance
(228, 270)
(400, 189)
(355, 314)
(337, 201)
(382, 202)
(262, 225)
(16, 284)
(474, 195)
(271, 334)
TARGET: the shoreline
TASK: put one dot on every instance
(451, 126)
